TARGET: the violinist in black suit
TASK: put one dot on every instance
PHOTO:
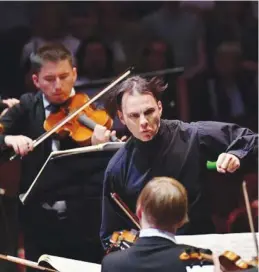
(161, 209)
(45, 225)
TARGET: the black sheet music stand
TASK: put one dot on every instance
(67, 171)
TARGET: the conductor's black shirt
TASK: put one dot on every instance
(179, 150)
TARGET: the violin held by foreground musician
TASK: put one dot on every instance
(161, 209)
(54, 75)
(170, 148)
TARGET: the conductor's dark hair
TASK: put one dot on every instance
(52, 52)
(154, 86)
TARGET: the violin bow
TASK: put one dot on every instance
(44, 136)
(24, 262)
(125, 208)
(250, 219)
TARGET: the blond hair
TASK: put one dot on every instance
(164, 202)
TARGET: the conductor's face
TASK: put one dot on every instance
(56, 80)
(141, 114)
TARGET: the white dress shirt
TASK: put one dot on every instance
(151, 232)
(59, 206)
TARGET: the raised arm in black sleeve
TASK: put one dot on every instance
(216, 138)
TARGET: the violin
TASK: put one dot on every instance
(121, 240)
(55, 123)
(229, 261)
(81, 127)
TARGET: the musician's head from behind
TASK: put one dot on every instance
(137, 102)
(53, 72)
(163, 204)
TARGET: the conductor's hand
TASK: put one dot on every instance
(227, 163)
(101, 135)
(20, 144)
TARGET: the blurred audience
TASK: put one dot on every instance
(94, 59)
(84, 19)
(232, 20)
(232, 96)
(49, 24)
(183, 31)
(156, 55)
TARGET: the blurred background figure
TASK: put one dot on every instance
(183, 31)
(49, 21)
(156, 55)
(94, 60)
(233, 97)
(83, 21)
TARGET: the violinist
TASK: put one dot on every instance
(167, 148)
(161, 208)
(43, 227)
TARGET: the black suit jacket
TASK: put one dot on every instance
(27, 118)
(77, 180)
(147, 254)
(82, 189)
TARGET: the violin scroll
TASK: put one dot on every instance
(229, 261)
(196, 256)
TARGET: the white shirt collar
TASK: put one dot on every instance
(151, 232)
(46, 102)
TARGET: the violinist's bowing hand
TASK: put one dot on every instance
(21, 145)
(101, 135)
(227, 163)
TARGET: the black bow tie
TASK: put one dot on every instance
(53, 108)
